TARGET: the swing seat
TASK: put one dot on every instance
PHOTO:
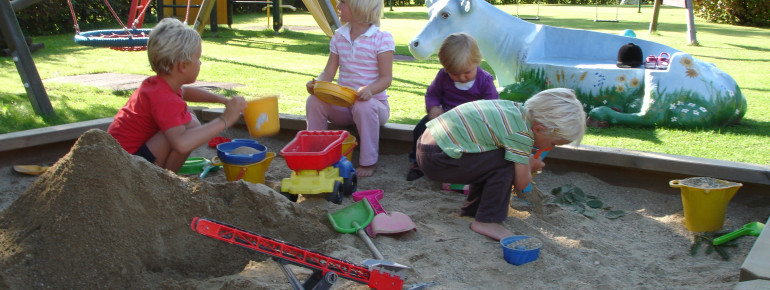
(126, 39)
(114, 38)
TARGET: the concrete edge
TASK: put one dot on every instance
(757, 262)
(587, 154)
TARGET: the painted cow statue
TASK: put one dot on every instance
(527, 58)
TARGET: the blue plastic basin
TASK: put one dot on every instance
(224, 152)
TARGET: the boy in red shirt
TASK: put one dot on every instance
(156, 123)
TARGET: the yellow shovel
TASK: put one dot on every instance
(30, 169)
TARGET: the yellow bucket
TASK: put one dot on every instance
(254, 173)
(348, 145)
(261, 116)
(705, 200)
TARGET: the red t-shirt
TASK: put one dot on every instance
(153, 107)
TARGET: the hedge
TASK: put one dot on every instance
(53, 17)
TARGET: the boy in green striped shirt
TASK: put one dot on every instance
(488, 145)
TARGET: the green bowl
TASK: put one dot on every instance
(193, 165)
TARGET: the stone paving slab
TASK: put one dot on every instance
(125, 82)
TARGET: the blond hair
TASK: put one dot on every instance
(458, 51)
(171, 42)
(366, 11)
(560, 111)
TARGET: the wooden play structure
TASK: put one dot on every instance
(134, 38)
(687, 4)
(14, 38)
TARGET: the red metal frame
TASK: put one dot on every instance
(137, 7)
(296, 255)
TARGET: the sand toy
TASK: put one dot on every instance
(241, 152)
(335, 94)
(704, 200)
(318, 166)
(353, 219)
(252, 172)
(384, 222)
(752, 228)
(519, 250)
(261, 116)
(209, 167)
(193, 165)
(376, 274)
(30, 169)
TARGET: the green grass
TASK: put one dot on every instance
(280, 64)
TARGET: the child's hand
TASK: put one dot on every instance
(311, 87)
(364, 93)
(535, 165)
(434, 112)
(233, 109)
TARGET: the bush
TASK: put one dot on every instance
(54, 17)
(737, 12)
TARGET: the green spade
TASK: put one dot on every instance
(752, 228)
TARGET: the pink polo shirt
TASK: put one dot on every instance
(358, 59)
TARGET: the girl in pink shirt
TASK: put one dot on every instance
(364, 56)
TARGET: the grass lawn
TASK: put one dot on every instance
(280, 64)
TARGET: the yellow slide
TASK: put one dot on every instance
(325, 14)
(203, 15)
(323, 11)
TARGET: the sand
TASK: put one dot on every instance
(100, 218)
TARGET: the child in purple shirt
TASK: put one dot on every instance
(461, 80)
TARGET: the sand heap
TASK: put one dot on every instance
(102, 217)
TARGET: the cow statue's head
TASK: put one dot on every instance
(444, 18)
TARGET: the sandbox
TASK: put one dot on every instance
(66, 216)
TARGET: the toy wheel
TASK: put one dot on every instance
(351, 184)
(336, 195)
(291, 197)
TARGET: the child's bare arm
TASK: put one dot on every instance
(523, 176)
(184, 139)
(385, 69)
(327, 75)
(434, 112)
(198, 95)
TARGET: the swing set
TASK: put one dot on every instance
(617, 11)
(129, 38)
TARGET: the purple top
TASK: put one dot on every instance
(442, 91)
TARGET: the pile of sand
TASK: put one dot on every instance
(103, 217)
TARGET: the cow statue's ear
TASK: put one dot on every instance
(428, 3)
(466, 5)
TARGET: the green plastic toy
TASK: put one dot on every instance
(752, 228)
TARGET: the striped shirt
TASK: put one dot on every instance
(482, 126)
(358, 59)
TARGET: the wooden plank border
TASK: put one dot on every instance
(587, 154)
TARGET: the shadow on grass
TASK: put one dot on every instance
(748, 47)
(645, 134)
(23, 117)
(407, 15)
(304, 43)
(747, 127)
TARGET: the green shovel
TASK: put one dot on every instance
(752, 228)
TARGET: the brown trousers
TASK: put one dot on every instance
(489, 176)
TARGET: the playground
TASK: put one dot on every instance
(86, 221)
(246, 54)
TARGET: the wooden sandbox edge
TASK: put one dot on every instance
(12, 146)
